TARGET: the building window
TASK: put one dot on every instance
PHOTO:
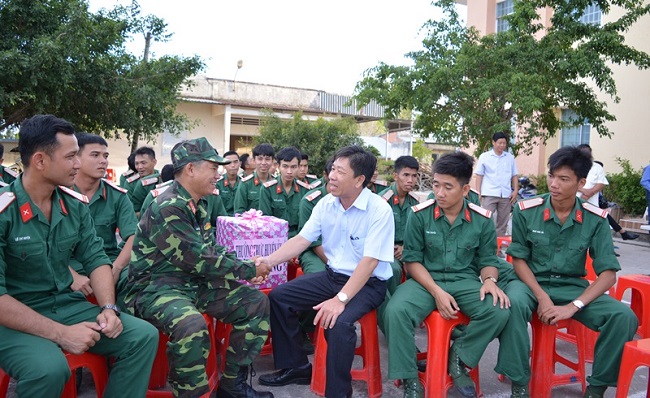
(504, 9)
(574, 135)
(591, 15)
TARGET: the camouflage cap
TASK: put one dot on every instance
(193, 151)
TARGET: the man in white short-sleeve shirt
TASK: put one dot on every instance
(357, 230)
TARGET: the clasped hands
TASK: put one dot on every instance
(262, 269)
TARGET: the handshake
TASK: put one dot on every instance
(263, 268)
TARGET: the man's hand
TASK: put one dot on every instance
(262, 267)
(397, 251)
(544, 305)
(328, 312)
(77, 339)
(513, 197)
(109, 323)
(80, 283)
(556, 313)
(446, 305)
(490, 287)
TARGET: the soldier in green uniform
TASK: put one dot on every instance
(43, 224)
(145, 163)
(281, 196)
(177, 272)
(129, 173)
(110, 209)
(550, 239)
(6, 174)
(248, 192)
(229, 182)
(450, 254)
(303, 171)
(376, 185)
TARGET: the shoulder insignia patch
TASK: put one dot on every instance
(159, 190)
(165, 184)
(215, 191)
(313, 195)
(220, 178)
(80, 197)
(6, 199)
(303, 184)
(530, 203)
(381, 182)
(423, 205)
(387, 195)
(128, 173)
(115, 186)
(314, 176)
(248, 177)
(414, 196)
(484, 212)
(270, 183)
(315, 184)
(3, 184)
(149, 181)
(134, 177)
(475, 191)
(594, 209)
(11, 172)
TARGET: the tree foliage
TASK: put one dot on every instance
(465, 87)
(421, 152)
(624, 188)
(57, 57)
(319, 139)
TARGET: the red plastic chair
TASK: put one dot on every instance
(368, 350)
(504, 240)
(636, 353)
(4, 383)
(640, 301)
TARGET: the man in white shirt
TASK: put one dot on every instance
(357, 230)
(496, 181)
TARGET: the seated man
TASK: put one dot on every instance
(145, 163)
(304, 170)
(550, 239)
(128, 174)
(7, 175)
(229, 182)
(375, 185)
(281, 196)
(248, 193)
(450, 254)
(357, 231)
(41, 226)
(177, 273)
(110, 210)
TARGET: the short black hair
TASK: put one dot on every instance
(243, 159)
(38, 133)
(146, 150)
(499, 135)
(329, 164)
(167, 172)
(231, 153)
(406, 161)
(264, 150)
(456, 164)
(304, 156)
(84, 139)
(361, 161)
(131, 161)
(288, 154)
(573, 158)
(2, 151)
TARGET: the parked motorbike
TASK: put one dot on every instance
(526, 189)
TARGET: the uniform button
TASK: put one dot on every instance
(557, 249)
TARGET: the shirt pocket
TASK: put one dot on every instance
(358, 246)
(434, 247)
(66, 246)
(466, 251)
(540, 248)
(576, 256)
(26, 260)
(105, 228)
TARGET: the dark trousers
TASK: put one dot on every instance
(302, 294)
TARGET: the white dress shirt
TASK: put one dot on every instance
(497, 172)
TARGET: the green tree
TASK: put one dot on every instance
(57, 57)
(319, 139)
(421, 152)
(464, 87)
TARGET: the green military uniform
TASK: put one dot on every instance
(142, 188)
(309, 261)
(275, 201)
(227, 191)
(556, 253)
(377, 186)
(472, 196)
(154, 193)
(310, 179)
(34, 270)
(453, 255)
(248, 193)
(7, 175)
(177, 272)
(124, 176)
(130, 183)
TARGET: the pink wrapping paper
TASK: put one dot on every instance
(252, 234)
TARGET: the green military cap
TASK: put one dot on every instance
(193, 151)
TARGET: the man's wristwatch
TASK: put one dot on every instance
(493, 279)
(579, 304)
(111, 307)
(342, 297)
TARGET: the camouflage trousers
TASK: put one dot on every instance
(178, 314)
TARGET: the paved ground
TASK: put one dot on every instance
(634, 258)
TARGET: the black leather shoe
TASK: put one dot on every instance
(629, 235)
(239, 388)
(301, 376)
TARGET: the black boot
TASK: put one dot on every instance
(239, 388)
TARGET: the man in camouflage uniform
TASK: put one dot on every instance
(177, 273)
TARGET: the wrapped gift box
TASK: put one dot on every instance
(253, 234)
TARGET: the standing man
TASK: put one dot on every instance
(110, 210)
(177, 273)
(145, 163)
(248, 193)
(6, 174)
(496, 181)
(357, 230)
(645, 183)
(281, 196)
(43, 224)
(551, 236)
(228, 183)
(450, 254)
